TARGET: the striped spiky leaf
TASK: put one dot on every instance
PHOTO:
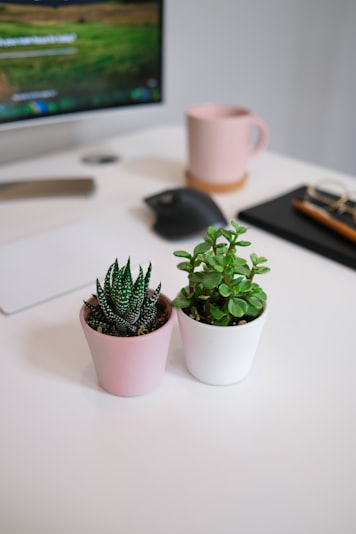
(124, 289)
(104, 303)
(125, 306)
(153, 299)
(116, 284)
(99, 325)
(138, 292)
(107, 281)
(148, 278)
(132, 316)
(148, 315)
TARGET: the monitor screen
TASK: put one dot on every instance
(59, 57)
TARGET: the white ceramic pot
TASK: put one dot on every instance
(219, 355)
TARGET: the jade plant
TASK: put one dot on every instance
(221, 287)
(125, 307)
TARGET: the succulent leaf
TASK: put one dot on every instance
(181, 302)
(185, 266)
(138, 292)
(153, 299)
(148, 278)
(107, 281)
(201, 248)
(216, 312)
(148, 316)
(237, 306)
(125, 307)
(104, 303)
(182, 254)
(211, 280)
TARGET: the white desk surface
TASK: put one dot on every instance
(274, 454)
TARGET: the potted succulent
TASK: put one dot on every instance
(222, 310)
(128, 327)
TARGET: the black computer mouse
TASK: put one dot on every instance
(183, 212)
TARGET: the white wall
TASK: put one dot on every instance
(291, 61)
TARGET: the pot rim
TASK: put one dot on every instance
(248, 324)
(84, 312)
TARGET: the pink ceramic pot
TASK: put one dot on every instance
(129, 366)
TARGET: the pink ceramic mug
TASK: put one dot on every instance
(220, 145)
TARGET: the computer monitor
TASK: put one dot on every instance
(62, 58)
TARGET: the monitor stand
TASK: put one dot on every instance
(100, 159)
(47, 187)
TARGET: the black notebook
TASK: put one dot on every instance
(280, 218)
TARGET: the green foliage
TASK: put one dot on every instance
(221, 289)
(125, 306)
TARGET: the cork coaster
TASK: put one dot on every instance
(215, 187)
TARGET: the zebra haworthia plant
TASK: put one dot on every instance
(125, 306)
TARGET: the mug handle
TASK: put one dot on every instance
(262, 136)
